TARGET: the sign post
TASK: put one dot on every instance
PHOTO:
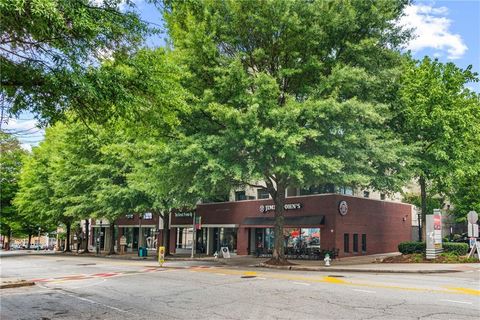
(472, 218)
(434, 234)
(161, 256)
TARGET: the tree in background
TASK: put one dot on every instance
(50, 51)
(439, 115)
(10, 166)
(291, 93)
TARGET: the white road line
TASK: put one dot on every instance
(261, 278)
(221, 274)
(360, 290)
(302, 283)
(93, 302)
(455, 301)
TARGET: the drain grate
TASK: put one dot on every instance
(335, 276)
(248, 277)
(86, 264)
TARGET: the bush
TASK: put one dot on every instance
(409, 247)
(457, 248)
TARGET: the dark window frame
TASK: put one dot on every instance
(364, 242)
(355, 243)
(346, 242)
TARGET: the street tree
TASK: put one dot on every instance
(288, 93)
(440, 115)
(51, 51)
(10, 166)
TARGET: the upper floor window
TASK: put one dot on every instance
(262, 194)
(366, 194)
(240, 196)
(382, 196)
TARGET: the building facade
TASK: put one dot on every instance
(350, 225)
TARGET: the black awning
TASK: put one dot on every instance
(298, 221)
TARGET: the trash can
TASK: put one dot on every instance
(142, 252)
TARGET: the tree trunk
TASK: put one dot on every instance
(67, 240)
(166, 233)
(279, 247)
(87, 234)
(112, 239)
(423, 197)
(29, 240)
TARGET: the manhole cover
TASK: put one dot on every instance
(86, 264)
(247, 277)
(336, 276)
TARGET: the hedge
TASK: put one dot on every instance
(458, 248)
(409, 247)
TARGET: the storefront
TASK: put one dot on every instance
(350, 225)
(138, 231)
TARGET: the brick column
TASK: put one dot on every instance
(242, 241)
(173, 239)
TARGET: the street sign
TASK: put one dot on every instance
(472, 242)
(472, 230)
(161, 255)
(472, 217)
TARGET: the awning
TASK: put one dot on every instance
(297, 221)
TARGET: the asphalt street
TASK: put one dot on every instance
(71, 287)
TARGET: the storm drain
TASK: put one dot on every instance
(86, 264)
(248, 277)
(335, 276)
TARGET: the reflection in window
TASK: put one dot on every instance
(299, 238)
(184, 238)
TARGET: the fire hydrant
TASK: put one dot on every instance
(327, 260)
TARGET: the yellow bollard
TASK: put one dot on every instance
(161, 256)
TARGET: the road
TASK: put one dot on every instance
(72, 287)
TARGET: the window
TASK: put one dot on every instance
(355, 242)
(382, 196)
(240, 196)
(364, 243)
(292, 192)
(262, 194)
(345, 190)
(366, 194)
(184, 238)
(346, 243)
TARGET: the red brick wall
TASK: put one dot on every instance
(385, 223)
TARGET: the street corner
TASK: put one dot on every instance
(8, 283)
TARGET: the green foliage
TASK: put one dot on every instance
(456, 248)
(10, 166)
(409, 247)
(291, 93)
(451, 257)
(438, 114)
(51, 49)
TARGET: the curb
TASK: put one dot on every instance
(335, 269)
(18, 284)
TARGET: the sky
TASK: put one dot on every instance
(448, 30)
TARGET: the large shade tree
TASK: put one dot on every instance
(289, 93)
(440, 115)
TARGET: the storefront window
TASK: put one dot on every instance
(225, 237)
(298, 238)
(184, 238)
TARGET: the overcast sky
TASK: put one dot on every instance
(448, 30)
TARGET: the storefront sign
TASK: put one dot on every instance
(147, 216)
(343, 207)
(183, 214)
(225, 252)
(288, 206)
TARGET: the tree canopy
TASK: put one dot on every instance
(289, 93)
(50, 51)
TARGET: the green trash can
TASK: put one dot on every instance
(141, 252)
